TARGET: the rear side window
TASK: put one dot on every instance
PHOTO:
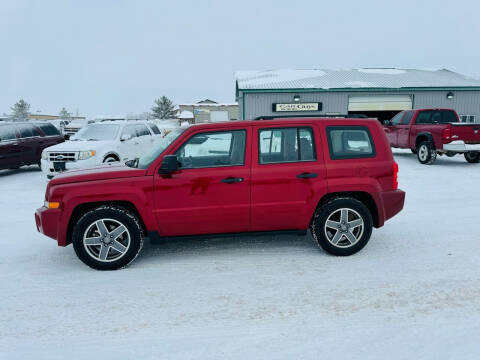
(7, 133)
(424, 117)
(142, 130)
(350, 142)
(49, 129)
(25, 131)
(286, 145)
(448, 116)
(155, 129)
(407, 118)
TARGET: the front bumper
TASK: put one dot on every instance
(49, 170)
(47, 221)
(393, 202)
(460, 146)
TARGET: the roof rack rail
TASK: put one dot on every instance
(272, 117)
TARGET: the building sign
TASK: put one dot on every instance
(297, 107)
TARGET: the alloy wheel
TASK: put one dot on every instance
(344, 227)
(106, 240)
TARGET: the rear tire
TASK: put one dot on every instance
(426, 153)
(107, 238)
(342, 226)
(473, 157)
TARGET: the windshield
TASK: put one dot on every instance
(150, 156)
(97, 132)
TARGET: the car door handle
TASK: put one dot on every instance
(231, 180)
(307, 175)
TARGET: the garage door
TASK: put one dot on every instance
(380, 103)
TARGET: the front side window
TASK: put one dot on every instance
(129, 131)
(407, 118)
(286, 145)
(49, 129)
(397, 118)
(350, 142)
(142, 130)
(213, 149)
(155, 129)
(7, 132)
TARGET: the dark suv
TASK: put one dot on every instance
(22, 143)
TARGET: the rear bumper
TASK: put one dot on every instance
(460, 146)
(393, 202)
(47, 221)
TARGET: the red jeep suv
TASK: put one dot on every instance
(336, 177)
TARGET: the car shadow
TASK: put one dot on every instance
(233, 245)
(455, 161)
(21, 170)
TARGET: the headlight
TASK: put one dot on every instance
(82, 155)
(44, 155)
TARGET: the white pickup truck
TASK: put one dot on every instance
(99, 143)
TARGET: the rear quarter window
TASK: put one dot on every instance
(350, 142)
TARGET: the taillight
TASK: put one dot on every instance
(395, 176)
(447, 134)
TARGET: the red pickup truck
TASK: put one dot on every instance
(428, 132)
(336, 177)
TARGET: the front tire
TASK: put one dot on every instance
(110, 159)
(426, 153)
(342, 226)
(107, 238)
(473, 157)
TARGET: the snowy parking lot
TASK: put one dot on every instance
(412, 293)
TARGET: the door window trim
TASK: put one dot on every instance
(314, 146)
(244, 130)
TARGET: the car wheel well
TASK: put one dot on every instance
(422, 138)
(361, 196)
(82, 209)
(112, 155)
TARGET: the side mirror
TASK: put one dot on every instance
(169, 165)
(125, 137)
(387, 123)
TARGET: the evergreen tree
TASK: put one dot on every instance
(20, 111)
(164, 109)
(64, 114)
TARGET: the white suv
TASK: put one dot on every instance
(99, 143)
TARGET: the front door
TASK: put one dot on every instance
(211, 191)
(392, 129)
(403, 130)
(288, 177)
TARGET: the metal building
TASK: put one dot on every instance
(379, 92)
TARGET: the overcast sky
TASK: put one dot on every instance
(115, 57)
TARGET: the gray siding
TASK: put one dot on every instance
(260, 104)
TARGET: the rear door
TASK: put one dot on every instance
(403, 130)
(288, 176)
(10, 155)
(210, 193)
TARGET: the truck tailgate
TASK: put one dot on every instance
(469, 133)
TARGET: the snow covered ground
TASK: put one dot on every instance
(412, 293)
